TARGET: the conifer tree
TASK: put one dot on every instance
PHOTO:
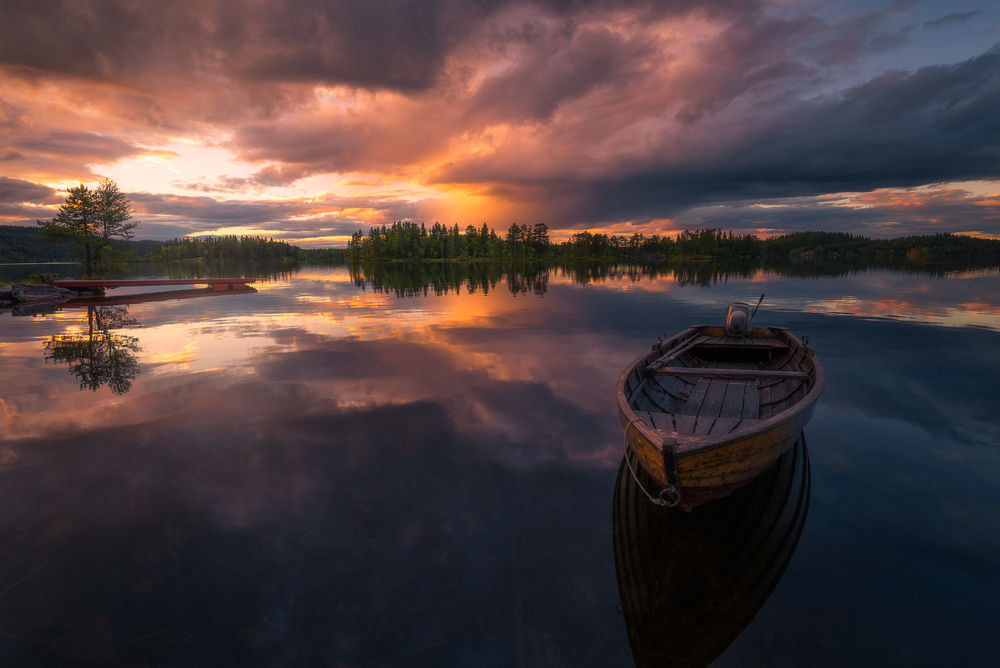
(92, 219)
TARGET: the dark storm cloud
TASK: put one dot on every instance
(559, 69)
(209, 210)
(900, 129)
(398, 45)
(852, 38)
(923, 211)
(174, 215)
(22, 202)
(87, 145)
(550, 62)
(15, 191)
(395, 44)
(750, 56)
(952, 19)
(34, 147)
(329, 145)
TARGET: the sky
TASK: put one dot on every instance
(306, 120)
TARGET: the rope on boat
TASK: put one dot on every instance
(668, 496)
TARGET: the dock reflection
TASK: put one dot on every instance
(690, 582)
(161, 296)
(102, 355)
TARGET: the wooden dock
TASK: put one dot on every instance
(217, 284)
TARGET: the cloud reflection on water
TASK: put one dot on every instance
(255, 523)
(320, 471)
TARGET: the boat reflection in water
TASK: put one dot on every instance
(690, 582)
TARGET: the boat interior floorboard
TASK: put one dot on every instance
(711, 407)
(751, 403)
(712, 385)
(732, 408)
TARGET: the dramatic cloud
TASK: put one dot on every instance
(952, 19)
(325, 217)
(24, 202)
(884, 212)
(937, 124)
(308, 118)
(13, 191)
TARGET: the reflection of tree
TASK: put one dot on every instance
(410, 279)
(100, 356)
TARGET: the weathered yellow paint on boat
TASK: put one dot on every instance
(739, 460)
(650, 456)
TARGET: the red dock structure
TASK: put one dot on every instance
(218, 284)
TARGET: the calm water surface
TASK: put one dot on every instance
(334, 472)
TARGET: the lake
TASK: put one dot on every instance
(418, 467)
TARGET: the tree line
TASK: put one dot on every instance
(706, 243)
(225, 248)
(98, 224)
(406, 240)
(214, 249)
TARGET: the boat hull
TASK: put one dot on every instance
(725, 413)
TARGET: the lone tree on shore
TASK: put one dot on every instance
(92, 219)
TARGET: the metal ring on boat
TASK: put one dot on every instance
(668, 497)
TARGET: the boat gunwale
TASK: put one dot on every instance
(683, 444)
(652, 434)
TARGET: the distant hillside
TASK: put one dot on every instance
(22, 244)
(808, 246)
(243, 248)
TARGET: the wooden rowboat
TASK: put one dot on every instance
(707, 411)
